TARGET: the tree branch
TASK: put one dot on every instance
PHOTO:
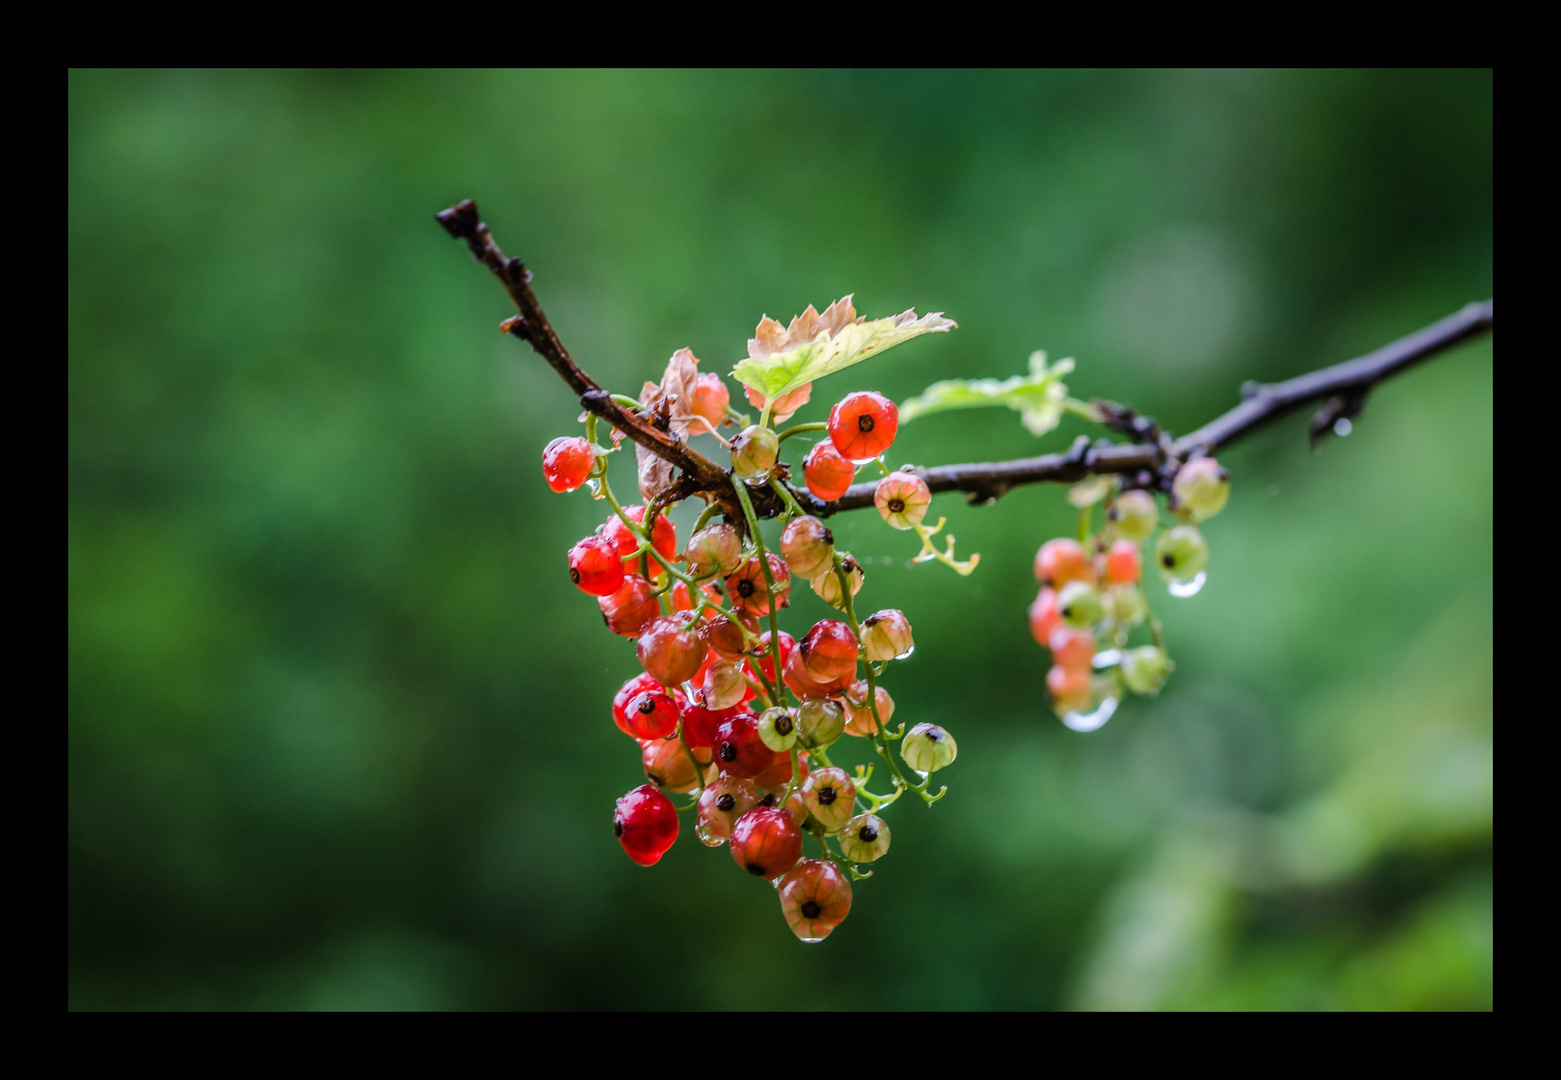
(1151, 460)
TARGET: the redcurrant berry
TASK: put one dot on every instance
(1123, 564)
(738, 749)
(723, 685)
(1079, 604)
(720, 805)
(902, 499)
(778, 775)
(785, 405)
(753, 454)
(651, 715)
(1200, 489)
(726, 637)
(865, 838)
(826, 472)
(631, 689)
(699, 726)
(1134, 515)
(670, 648)
(1181, 552)
(595, 567)
(628, 610)
(750, 592)
(830, 795)
(663, 534)
(766, 841)
(808, 547)
(778, 730)
(802, 682)
(567, 462)
(886, 635)
(716, 549)
(928, 748)
(1044, 616)
(1071, 648)
(829, 650)
(862, 425)
(820, 721)
(1061, 561)
(646, 824)
(827, 584)
(667, 765)
(761, 652)
(1145, 669)
(859, 714)
(815, 898)
(1068, 682)
(711, 399)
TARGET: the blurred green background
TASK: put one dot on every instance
(338, 721)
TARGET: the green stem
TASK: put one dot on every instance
(1085, 513)
(1082, 408)
(798, 429)
(706, 514)
(787, 497)
(782, 698)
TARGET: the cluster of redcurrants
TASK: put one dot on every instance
(1091, 595)
(713, 711)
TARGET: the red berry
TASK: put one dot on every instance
(862, 425)
(700, 724)
(1061, 561)
(815, 897)
(766, 841)
(807, 546)
(671, 649)
(711, 398)
(663, 534)
(651, 715)
(1044, 616)
(595, 567)
(826, 472)
(667, 766)
(626, 693)
(1124, 565)
(725, 637)
(800, 680)
(829, 650)
(749, 591)
(566, 462)
(628, 610)
(1070, 647)
(723, 685)
(738, 749)
(646, 824)
(778, 775)
(1068, 683)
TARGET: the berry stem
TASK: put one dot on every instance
(1085, 513)
(782, 698)
(788, 498)
(699, 772)
(798, 429)
(705, 515)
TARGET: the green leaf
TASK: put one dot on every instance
(781, 372)
(1038, 398)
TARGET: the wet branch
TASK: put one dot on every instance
(1148, 461)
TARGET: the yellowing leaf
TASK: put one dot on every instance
(815, 345)
(1038, 397)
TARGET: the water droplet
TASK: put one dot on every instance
(811, 940)
(1091, 720)
(1107, 658)
(919, 773)
(906, 655)
(1188, 588)
(1342, 426)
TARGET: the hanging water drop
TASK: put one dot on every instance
(1091, 721)
(1187, 588)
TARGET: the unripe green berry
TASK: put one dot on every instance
(886, 635)
(808, 547)
(1145, 669)
(820, 721)
(1126, 603)
(827, 584)
(1079, 604)
(753, 454)
(1200, 489)
(778, 729)
(865, 838)
(830, 795)
(1181, 553)
(1134, 515)
(714, 550)
(928, 748)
